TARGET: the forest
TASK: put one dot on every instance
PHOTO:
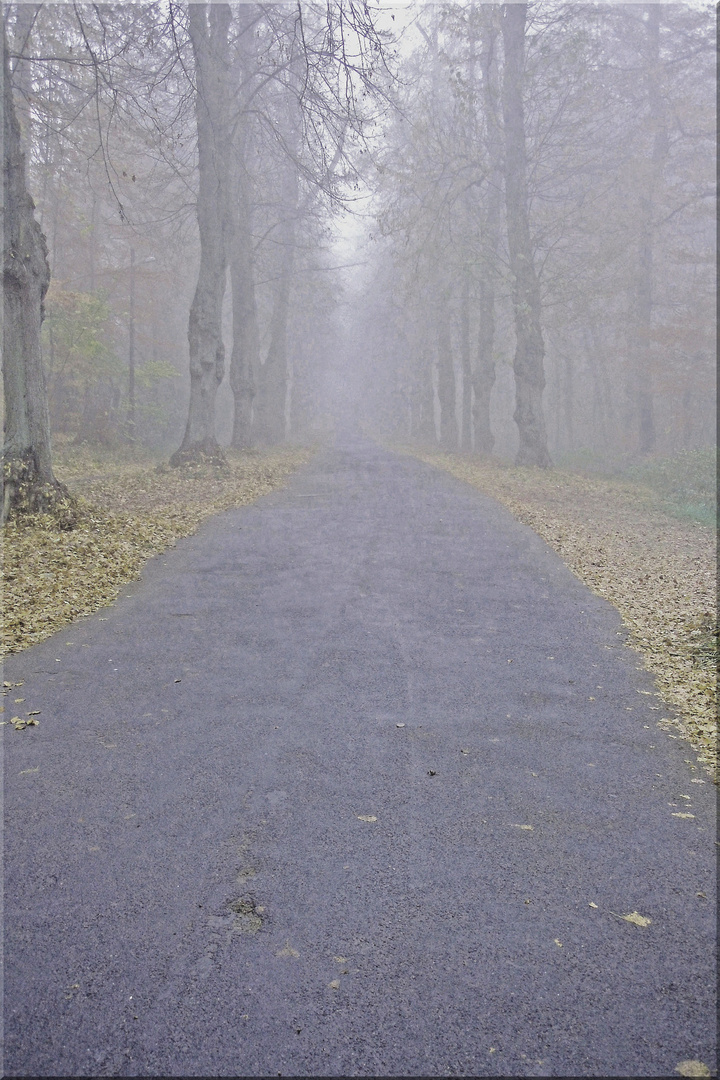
(477, 227)
(359, 522)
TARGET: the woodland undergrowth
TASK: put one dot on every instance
(659, 572)
(124, 513)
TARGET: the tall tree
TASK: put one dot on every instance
(446, 375)
(29, 480)
(484, 372)
(245, 357)
(642, 324)
(208, 27)
(269, 421)
(529, 347)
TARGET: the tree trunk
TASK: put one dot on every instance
(28, 477)
(269, 423)
(529, 346)
(446, 383)
(423, 414)
(246, 339)
(484, 376)
(569, 400)
(272, 392)
(245, 357)
(208, 26)
(641, 344)
(466, 422)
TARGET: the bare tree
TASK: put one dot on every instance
(208, 27)
(484, 373)
(29, 480)
(530, 347)
(245, 358)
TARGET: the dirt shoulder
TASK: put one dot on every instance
(128, 513)
(660, 573)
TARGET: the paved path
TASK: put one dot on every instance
(352, 783)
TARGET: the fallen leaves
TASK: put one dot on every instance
(692, 1068)
(19, 724)
(128, 513)
(634, 917)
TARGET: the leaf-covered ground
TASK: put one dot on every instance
(128, 511)
(657, 571)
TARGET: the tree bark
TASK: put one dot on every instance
(529, 347)
(246, 338)
(446, 382)
(643, 314)
(423, 413)
(208, 26)
(466, 420)
(269, 422)
(484, 374)
(28, 477)
(272, 391)
(245, 357)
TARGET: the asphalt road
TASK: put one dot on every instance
(357, 780)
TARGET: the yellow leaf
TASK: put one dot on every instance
(635, 918)
(692, 1068)
(365, 817)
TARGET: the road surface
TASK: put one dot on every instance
(357, 780)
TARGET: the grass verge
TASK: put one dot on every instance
(618, 537)
(128, 511)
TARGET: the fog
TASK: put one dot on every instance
(488, 229)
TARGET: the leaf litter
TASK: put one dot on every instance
(126, 513)
(634, 917)
(659, 572)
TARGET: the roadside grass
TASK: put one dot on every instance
(686, 483)
(130, 507)
(628, 542)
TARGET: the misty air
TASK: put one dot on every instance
(359, 516)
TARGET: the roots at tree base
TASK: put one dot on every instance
(25, 492)
(207, 453)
